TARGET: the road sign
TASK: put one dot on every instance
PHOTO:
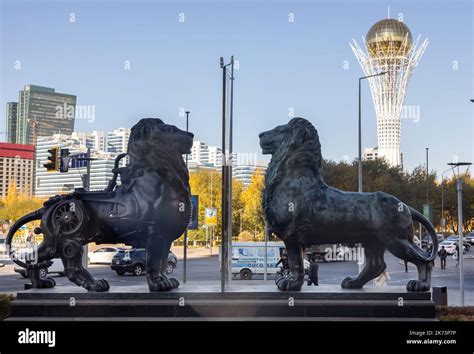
(428, 211)
(79, 160)
(193, 222)
(210, 216)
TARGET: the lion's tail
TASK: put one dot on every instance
(417, 216)
(35, 215)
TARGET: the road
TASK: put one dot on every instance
(207, 268)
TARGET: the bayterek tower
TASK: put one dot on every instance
(389, 47)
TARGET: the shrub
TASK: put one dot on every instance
(5, 304)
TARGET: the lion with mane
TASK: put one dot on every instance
(149, 209)
(302, 210)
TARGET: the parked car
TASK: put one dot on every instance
(134, 261)
(450, 246)
(103, 255)
(3, 247)
(470, 237)
(57, 267)
(455, 238)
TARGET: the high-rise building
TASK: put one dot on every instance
(117, 140)
(94, 140)
(52, 183)
(215, 156)
(44, 112)
(199, 153)
(16, 164)
(371, 154)
(391, 54)
(12, 119)
(245, 172)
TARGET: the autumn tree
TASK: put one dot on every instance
(16, 204)
(253, 217)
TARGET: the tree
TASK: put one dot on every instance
(253, 217)
(15, 205)
(207, 185)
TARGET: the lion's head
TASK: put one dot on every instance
(294, 144)
(156, 146)
(294, 147)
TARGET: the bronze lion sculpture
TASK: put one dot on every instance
(149, 209)
(302, 210)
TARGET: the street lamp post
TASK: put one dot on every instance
(443, 220)
(360, 130)
(460, 233)
(359, 173)
(185, 246)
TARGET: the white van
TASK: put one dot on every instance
(248, 258)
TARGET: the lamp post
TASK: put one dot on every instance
(185, 245)
(359, 173)
(360, 129)
(460, 234)
(226, 243)
(443, 220)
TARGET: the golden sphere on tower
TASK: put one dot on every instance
(388, 38)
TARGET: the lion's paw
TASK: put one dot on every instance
(163, 284)
(351, 283)
(289, 284)
(417, 286)
(98, 286)
(45, 283)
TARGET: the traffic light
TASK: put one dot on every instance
(53, 160)
(64, 160)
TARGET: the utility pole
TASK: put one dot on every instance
(427, 179)
(185, 246)
(226, 202)
(460, 225)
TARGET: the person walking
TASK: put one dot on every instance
(442, 256)
(313, 274)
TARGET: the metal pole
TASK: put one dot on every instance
(266, 255)
(443, 222)
(229, 185)
(85, 254)
(461, 244)
(185, 246)
(88, 170)
(427, 179)
(224, 182)
(359, 189)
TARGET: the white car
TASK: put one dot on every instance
(450, 246)
(103, 255)
(57, 267)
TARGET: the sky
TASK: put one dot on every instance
(135, 59)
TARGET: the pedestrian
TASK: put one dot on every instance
(313, 274)
(456, 255)
(406, 265)
(442, 256)
(382, 279)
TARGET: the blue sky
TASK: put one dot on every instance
(283, 65)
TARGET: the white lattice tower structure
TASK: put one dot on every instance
(389, 48)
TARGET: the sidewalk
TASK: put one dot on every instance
(194, 252)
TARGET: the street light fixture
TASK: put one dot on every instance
(360, 129)
(460, 233)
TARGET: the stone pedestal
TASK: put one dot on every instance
(203, 300)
